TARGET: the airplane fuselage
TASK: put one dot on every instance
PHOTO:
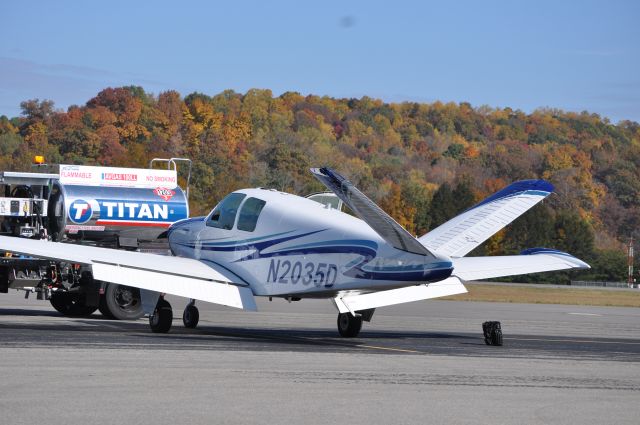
(281, 244)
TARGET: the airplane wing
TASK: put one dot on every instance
(350, 303)
(370, 213)
(460, 235)
(467, 268)
(534, 260)
(183, 277)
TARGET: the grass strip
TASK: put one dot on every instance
(548, 295)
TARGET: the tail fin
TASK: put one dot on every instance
(370, 213)
(460, 235)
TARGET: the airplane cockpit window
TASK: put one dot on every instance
(224, 215)
(249, 214)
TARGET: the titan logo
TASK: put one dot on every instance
(133, 210)
(80, 211)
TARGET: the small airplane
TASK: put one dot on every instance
(262, 242)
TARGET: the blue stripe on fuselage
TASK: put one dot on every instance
(424, 275)
(247, 244)
(367, 249)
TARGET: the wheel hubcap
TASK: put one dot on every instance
(125, 298)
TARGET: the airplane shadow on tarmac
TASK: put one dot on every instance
(27, 312)
(203, 331)
(95, 331)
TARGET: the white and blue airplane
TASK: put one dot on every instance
(262, 242)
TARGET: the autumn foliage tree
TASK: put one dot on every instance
(423, 163)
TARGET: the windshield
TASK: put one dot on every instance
(224, 215)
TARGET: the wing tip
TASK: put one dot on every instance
(329, 173)
(535, 187)
(578, 263)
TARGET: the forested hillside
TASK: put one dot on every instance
(422, 162)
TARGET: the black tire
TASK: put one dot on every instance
(160, 320)
(496, 338)
(71, 304)
(190, 316)
(349, 325)
(121, 302)
(104, 309)
(4, 280)
(492, 333)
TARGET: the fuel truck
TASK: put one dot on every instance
(117, 208)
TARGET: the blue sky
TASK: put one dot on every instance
(522, 54)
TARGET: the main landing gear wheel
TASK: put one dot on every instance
(349, 325)
(160, 320)
(191, 316)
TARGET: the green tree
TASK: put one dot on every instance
(607, 265)
(573, 234)
(463, 196)
(443, 205)
(535, 228)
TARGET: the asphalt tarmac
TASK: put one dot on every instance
(423, 362)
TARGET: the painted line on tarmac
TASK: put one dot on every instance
(336, 343)
(400, 350)
(586, 314)
(319, 342)
(112, 326)
(573, 340)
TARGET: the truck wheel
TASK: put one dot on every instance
(71, 304)
(121, 302)
(104, 310)
(4, 280)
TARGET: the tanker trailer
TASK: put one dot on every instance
(114, 217)
(121, 208)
